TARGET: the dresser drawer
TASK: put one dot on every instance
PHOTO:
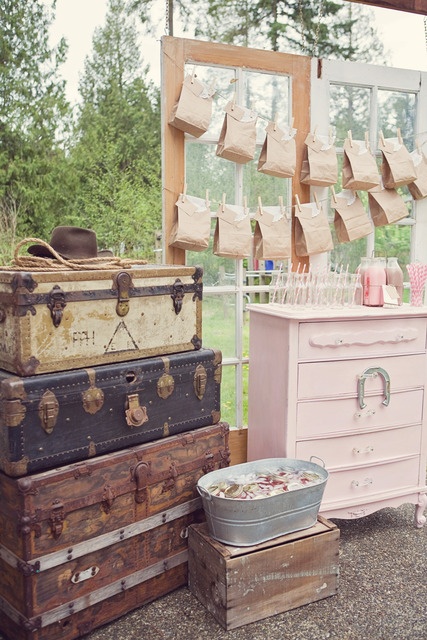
(362, 448)
(341, 377)
(324, 417)
(352, 339)
(360, 482)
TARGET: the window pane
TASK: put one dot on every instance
(219, 323)
(349, 110)
(205, 170)
(396, 110)
(223, 82)
(268, 95)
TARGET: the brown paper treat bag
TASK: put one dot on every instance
(237, 139)
(192, 226)
(360, 169)
(319, 165)
(397, 168)
(312, 231)
(278, 153)
(233, 232)
(418, 188)
(272, 234)
(351, 220)
(193, 111)
(386, 206)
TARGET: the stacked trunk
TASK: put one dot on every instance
(110, 413)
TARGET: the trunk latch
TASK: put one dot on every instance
(123, 283)
(48, 411)
(135, 414)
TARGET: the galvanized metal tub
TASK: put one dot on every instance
(244, 523)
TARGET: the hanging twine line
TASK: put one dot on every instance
(58, 263)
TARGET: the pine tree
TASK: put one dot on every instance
(117, 157)
(33, 122)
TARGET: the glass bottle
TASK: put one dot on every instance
(361, 269)
(395, 276)
(374, 278)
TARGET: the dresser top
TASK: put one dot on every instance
(339, 313)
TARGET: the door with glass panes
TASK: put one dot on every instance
(309, 95)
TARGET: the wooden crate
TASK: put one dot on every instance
(240, 585)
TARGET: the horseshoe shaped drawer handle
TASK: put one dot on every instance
(372, 372)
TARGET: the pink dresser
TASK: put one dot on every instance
(346, 386)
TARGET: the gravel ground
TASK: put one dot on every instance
(382, 595)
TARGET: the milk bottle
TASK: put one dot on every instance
(373, 280)
(394, 276)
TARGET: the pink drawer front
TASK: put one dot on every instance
(352, 339)
(332, 379)
(360, 482)
(324, 417)
(362, 448)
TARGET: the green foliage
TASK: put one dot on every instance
(34, 121)
(117, 154)
(327, 29)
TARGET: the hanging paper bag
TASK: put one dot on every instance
(238, 134)
(193, 111)
(418, 188)
(192, 227)
(233, 232)
(359, 169)
(278, 153)
(319, 165)
(386, 206)
(351, 220)
(312, 231)
(397, 168)
(272, 234)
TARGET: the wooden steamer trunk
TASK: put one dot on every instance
(68, 319)
(86, 543)
(240, 585)
(52, 419)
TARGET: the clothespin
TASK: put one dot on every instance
(184, 191)
(334, 196)
(399, 136)
(245, 205)
(382, 139)
(233, 102)
(260, 205)
(298, 202)
(223, 203)
(193, 75)
(350, 137)
(208, 204)
(314, 133)
(316, 199)
(275, 121)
